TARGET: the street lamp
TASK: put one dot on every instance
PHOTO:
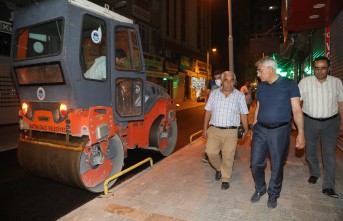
(208, 62)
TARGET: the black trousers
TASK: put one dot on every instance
(276, 142)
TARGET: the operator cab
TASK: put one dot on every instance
(78, 58)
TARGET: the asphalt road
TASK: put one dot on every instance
(26, 197)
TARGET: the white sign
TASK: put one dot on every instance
(5, 27)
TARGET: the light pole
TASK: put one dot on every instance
(208, 62)
(230, 38)
(209, 40)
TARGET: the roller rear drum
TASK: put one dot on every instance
(76, 164)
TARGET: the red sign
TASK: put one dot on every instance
(327, 41)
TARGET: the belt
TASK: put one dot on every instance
(273, 126)
(321, 119)
(230, 127)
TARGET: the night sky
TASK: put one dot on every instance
(219, 16)
(243, 26)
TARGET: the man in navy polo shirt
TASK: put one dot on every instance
(277, 97)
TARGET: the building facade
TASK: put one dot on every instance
(176, 33)
(175, 39)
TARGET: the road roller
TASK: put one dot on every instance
(81, 79)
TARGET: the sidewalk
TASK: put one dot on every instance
(181, 187)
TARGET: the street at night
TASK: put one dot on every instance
(92, 90)
(27, 197)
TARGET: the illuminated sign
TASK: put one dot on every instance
(327, 41)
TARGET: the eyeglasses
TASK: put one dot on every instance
(259, 70)
(320, 68)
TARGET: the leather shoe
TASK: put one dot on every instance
(225, 185)
(257, 196)
(313, 179)
(218, 175)
(330, 193)
(272, 202)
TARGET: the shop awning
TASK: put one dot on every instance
(310, 14)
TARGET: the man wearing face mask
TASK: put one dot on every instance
(216, 82)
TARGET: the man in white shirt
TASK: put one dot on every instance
(224, 110)
(322, 97)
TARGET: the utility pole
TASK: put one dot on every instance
(230, 38)
(209, 40)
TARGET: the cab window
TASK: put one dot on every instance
(127, 54)
(41, 40)
(93, 48)
(129, 97)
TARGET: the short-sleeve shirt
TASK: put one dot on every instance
(275, 100)
(98, 70)
(320, 100)
(225, 111)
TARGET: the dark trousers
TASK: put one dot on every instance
(327, 133)
(276, 142)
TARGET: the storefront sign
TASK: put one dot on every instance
(153, 62)
(201, 67)
(5, 27)
(171, 67)
(185, 63)
(157, 74)
(327, 41)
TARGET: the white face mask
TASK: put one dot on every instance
(218, 82)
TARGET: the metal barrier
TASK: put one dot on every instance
(125, 171)
(191, 137)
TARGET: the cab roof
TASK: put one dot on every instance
(104, 11)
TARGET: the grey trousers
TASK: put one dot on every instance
(327, 133)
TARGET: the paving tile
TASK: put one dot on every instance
(181, 187)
